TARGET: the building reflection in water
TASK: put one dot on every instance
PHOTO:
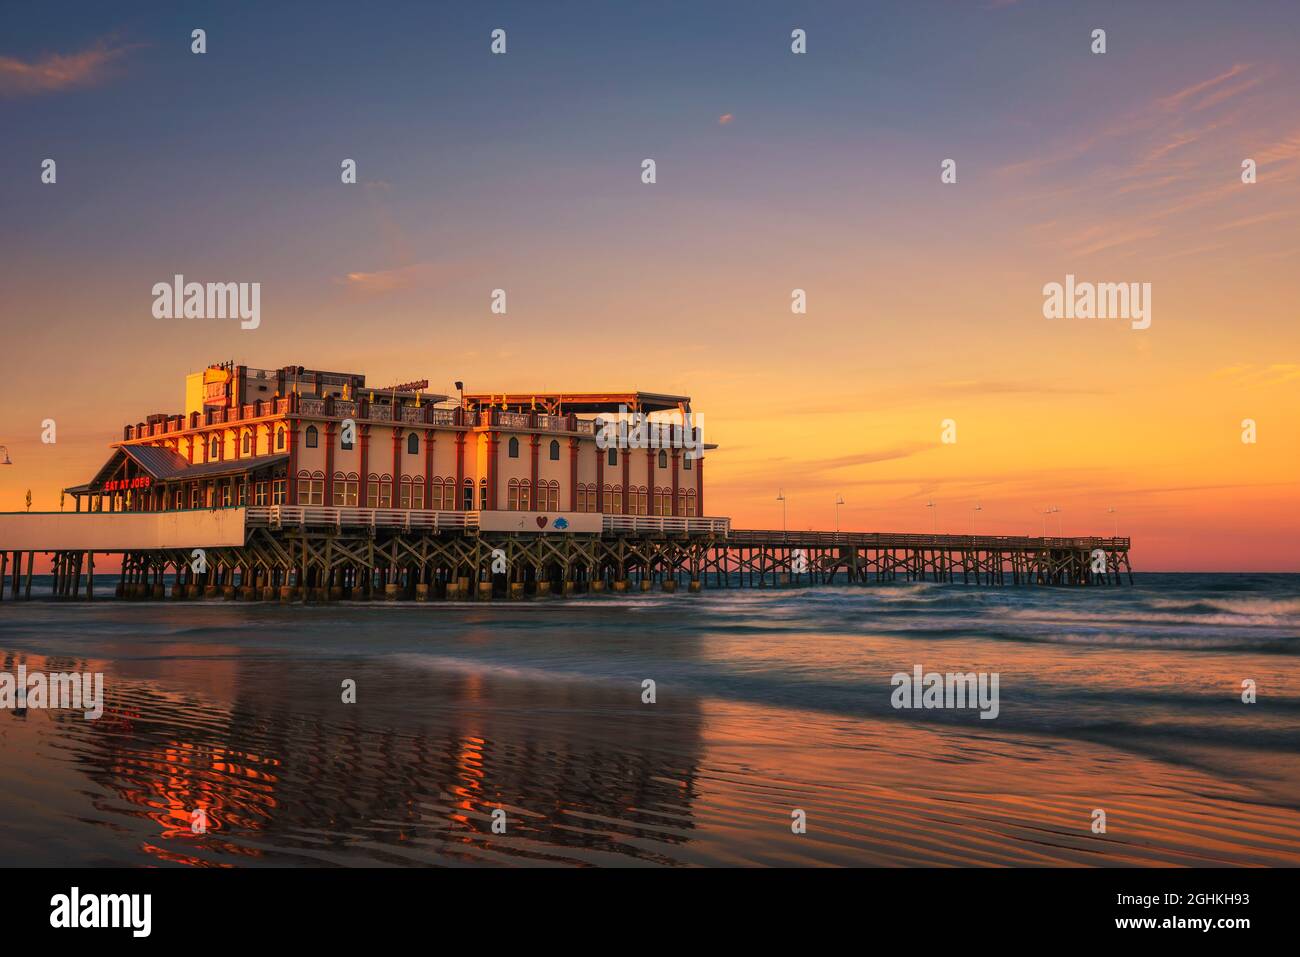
(410, 774)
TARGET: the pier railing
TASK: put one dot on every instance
(668, 525)
(280, 516)
(298, 516)
(798, 539)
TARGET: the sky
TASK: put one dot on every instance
(775, 171)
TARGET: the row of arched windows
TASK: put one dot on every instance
(512, 449)
(442, 494)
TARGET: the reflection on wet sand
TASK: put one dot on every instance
(409, 774)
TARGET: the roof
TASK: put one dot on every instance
(580, 402)
(167, 465)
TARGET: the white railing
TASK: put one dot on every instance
(668, 524)
(278, 516)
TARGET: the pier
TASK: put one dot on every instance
(303, 553)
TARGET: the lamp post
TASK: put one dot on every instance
(977, 508)
(780, 497)
(934, 517)
(839, 500)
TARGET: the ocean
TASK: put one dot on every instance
(522, 733)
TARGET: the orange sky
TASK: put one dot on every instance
(924, 299)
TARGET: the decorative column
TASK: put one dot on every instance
(494, 448)
(533, 442)
(430, 436)
(677, 510)
(625, 455)
(394, 501)
(363, 493)
(600, 479)
(291, 490)
(573, 474)
(329, 464)
(699, 487)
(459, 500)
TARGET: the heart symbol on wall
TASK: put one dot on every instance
(541, 521)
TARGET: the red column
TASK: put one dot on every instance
(699, 487)
(397, 462)
(625, 454)
(429, 439)
(291, 439)
(573, 474)
(494, 448)
(651, 455)
(676, 507)
(363, 492)
(533, 442)
(329, 463)
(600, 479)
(460, 471)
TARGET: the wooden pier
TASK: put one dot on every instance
(292, 553)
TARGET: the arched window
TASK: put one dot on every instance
(641, 501)
(612, 457)
(663, 459)
(248, 437)
(412, 444)
(313, 436)
(591, 497)
(279, 440)
(345, 490)
(512, 495)
(311, 488)
(482, 495)
(212, 449)
(555, 450)
(552, 496)
(468, 497)
(514, 447)
(690, 503)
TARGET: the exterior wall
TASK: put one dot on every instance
(445, 453)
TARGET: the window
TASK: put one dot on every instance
(412, 444)
(663, 501)
(279, 440)
(243, 493)
(612, 457)
(313, 437)
(449, 494)
(248, 441)
(512, 495)
(514, 447)
(614, 499)
(663, 459)
(690, 503)
(311, 490)
(212, 449)
(279, 489)
(469, 496)
(196, 497)
(686, 462)
(225, 496)
(180, 500)
(345, 440)
(591, 498)
(345, 490)
(555, 450)
(260, 493)
(412, 494)
(379, 492)
(482, 495)
(552, 503)
(638, 500)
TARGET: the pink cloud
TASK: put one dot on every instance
(58, 71)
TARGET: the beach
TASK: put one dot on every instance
(766, 704)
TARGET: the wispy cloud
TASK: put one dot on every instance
(59, 71)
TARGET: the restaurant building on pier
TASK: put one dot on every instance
(304, 437)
